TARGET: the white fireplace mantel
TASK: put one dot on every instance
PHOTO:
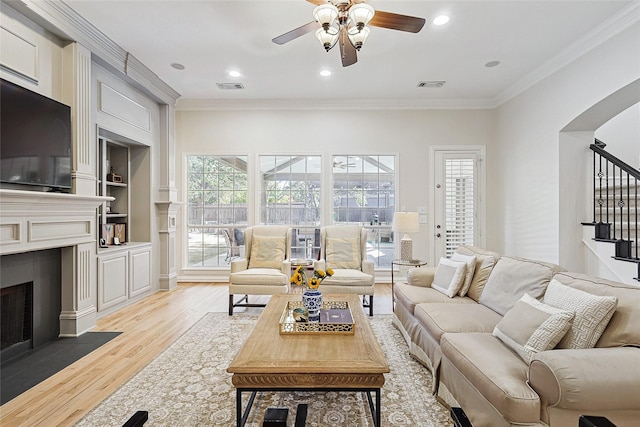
(32, 220)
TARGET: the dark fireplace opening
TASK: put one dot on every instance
(31, 290)
(16, 317)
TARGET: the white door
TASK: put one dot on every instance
(457, 200)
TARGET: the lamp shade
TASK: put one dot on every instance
(325, 14)
(360, 14)
(405, 222)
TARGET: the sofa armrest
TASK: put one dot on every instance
(589, 379)
(421, 276)
(239, 265)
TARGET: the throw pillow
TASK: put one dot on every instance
(266, 252)
(449, 277)
(470, 260)
(592, 313)
(513, 277)
(343, 253)
(532, 326)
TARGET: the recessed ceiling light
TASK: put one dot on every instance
(325, 73)
(234, 73)
(177, 66)
(441, 20)
(491, 64)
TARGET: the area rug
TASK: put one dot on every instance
(187, 385)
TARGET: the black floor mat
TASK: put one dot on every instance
(20, 375)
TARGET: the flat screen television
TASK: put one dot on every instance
(35, 139)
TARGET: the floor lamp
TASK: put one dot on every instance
(406, 222)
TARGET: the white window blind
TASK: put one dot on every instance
(459, 203)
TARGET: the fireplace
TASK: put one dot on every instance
(16, 316)
(31, 288)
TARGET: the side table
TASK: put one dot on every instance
(402, 263)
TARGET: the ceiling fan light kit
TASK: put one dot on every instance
(350, 18)
(346, 22)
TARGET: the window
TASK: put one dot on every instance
(290, 194)
(364, 193)
(459, 202)
(217, 209)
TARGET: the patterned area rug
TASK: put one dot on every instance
(187, 385)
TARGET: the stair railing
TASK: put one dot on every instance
(615, 191)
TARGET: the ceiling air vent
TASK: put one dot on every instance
(229, 86)
(432, 83)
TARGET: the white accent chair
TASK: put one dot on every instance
(266, 267)
(343, 248)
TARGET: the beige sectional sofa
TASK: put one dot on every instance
(487, 349)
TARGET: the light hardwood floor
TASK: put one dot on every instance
(148, 327)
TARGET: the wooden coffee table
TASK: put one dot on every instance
(269, 361)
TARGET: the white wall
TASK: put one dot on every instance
(622, 135)
(405, 133)
(530, 194)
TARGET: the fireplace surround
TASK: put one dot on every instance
(31, 224)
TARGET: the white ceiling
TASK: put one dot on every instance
(210, 38)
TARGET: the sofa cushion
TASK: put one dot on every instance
(267, 252)
(592, 313)
(532, 326)
(511, 278)
(470, 260)
(485, 261)
(623, 327)
(439, 318)
(498, 374)
(343, 252)
(449, 277)
(409, 296)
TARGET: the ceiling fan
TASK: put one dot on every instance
(345, 22)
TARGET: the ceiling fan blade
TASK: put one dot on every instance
(348, 53)
(395, 21)
(317, 2)
(295, 33)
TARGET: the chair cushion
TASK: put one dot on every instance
(532, 326)
(259, 276)
(347, 277)
(592, 313)
(267, 252)
(449, 277)
(343, 253)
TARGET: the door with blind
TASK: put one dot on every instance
(457, 200)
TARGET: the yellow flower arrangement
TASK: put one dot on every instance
(299, 277)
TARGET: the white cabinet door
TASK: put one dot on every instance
(139, 271)
(113, 271)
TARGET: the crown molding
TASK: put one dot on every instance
(600, 34)
(331, 104)
(61, 20)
